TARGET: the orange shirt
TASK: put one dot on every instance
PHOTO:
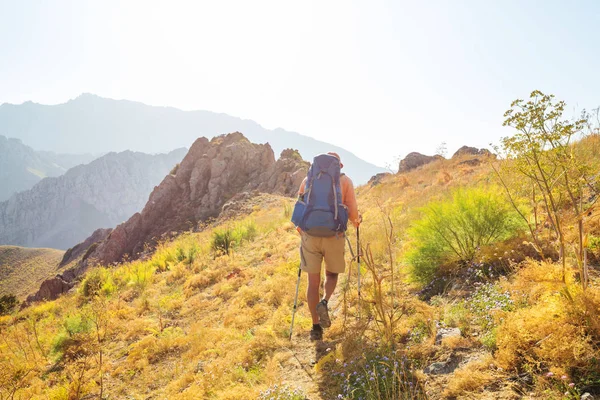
(348, 197)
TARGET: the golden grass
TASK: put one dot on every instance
(191, 324)
(23, 269)
(471, 378)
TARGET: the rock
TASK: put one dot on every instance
(586, 396)
(473, 162)
(50, 289)
(285, 175)
(376, 179)
(473, 151)
(444, 367)
(82, 248)
(414, 160)
(444, 333)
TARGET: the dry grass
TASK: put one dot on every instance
(472, 378)
(186, 324)
(23, 269)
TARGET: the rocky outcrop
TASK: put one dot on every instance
(414, 160)
(61, 212)
(84, 248)
(285, 176)
(50, 289)
(376, 179)
(211, 174)
(471, 151)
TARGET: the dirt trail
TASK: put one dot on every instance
(298, 359)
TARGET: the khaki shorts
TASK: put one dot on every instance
(314, 249)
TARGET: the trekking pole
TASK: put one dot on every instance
(295, 302)
(358, 261)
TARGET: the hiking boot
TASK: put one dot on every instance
(316, 333)
(323, 314)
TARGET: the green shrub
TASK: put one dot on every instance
(379, 376)
(92, 283)
(75, 324)
(96, 282)
(8, 303)
(225, 239)
(222, 241)
(452, 231)
(287, 209)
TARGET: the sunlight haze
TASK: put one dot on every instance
(380, 79)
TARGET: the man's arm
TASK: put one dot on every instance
(349, 199)
(302, 185)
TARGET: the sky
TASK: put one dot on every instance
(379, 78)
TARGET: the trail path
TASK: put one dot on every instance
(298, 359)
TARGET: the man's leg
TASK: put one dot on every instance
(331, 279)
(312, 295)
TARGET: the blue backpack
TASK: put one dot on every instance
(320, 211)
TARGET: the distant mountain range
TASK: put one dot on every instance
(62, 211)
(92, 124)
(21, 167)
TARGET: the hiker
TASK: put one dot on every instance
(322, 225)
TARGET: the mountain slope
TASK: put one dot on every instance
(188, 322)
(60, 212)
(93, 124)
(23, 269)
(21, 167)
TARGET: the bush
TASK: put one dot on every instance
(96, 282)
(379, 377)
(8, 302)
(225, 239)
(222, 241)
(453, 231)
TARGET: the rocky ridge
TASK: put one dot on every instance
(60, 212)
(21, 167)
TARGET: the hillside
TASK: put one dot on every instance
(92, 124)
(21, 167)
(23, 269)
(60, 212)
(460, 297)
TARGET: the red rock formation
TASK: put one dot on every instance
(210, 174)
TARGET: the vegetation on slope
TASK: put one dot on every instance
(23, 269)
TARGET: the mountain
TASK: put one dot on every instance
(94, 124)
(60, 212)
(21, 167)
(23, 269)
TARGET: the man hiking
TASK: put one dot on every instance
(326, 201)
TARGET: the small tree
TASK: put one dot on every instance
(8, 302)
(541, 152)
(442, 150)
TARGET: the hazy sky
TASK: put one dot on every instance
(378, 78)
